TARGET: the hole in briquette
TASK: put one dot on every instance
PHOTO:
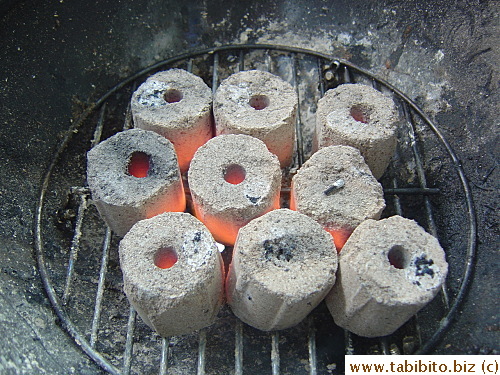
(234, 174)
(138, 164)
(172, 96)
(259, 102)
(165, 257)
(360, 114)
(398, 257)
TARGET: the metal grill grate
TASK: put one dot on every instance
(84, 286)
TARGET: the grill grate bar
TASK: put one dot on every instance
(348, 344)
(189, 65)
(129, 344)
(397, 200)
(202, 346)
(298, 119)
(399, 211)
(75, 245)
(215, 78)
(320, 76)
(275, 352)
(241, 61)
(127, 124)
(164, 356)
(311, 346)
(238, 348)
(100, 288)
(269, 60)
(384, 345)
(423, 183)
(420, 168)
(99, 127)
(411, 191)
(346, 75)
(348, 78)
(238, 327)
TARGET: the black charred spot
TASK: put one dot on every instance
(422, 265)
(254, 200)
(197, 237)
(278, 250)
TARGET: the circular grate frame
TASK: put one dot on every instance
(59, 255)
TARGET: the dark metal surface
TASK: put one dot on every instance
(59, 57)
(350, 72)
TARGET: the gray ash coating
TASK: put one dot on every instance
(273, 123)
(238, 202)
(150, 108)
(177, 105)
(374, 296)
(107, 166)
(283, 265)
(359, 198)
(123, 199)
(374, 136)
(188, 295)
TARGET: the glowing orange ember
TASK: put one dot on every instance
(188, 142)
(138, 164)
(165, 258)
(340, 236)
(293, 203)
(173, 202)
(234, 174)
(225, 231)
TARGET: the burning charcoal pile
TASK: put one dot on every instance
(231, 166)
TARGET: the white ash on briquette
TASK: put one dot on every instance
(177, 105)
(173, 273)
(388, 270)
(233, 179)
(121, 197)
(336, 188)
(284, 261)
(259, 104)
(283, 266)
(357, 115)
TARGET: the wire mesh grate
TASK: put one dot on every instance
(84, 285)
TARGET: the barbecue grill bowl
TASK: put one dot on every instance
(38, 93)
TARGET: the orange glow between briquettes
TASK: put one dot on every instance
(225, 231)
(340, 236)
(187, 143)
(175, 202)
